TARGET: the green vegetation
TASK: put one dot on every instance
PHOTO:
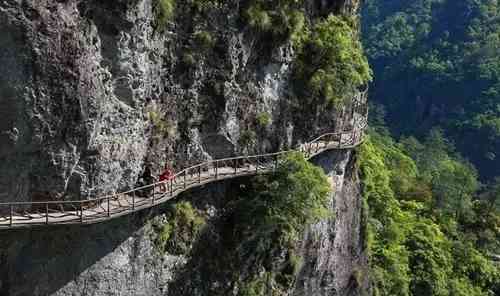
(436, 63)
(162, 128)
(164, 11)
(201, 6)
(429, 231)
(258, 18)
(188, 59)
(183, 225)
(432, 222)
(204, 40)
(272, 216)
(331, 63)
(263, 119)
(284, 20)
(247, 138)
(254, 242)
(295, 196)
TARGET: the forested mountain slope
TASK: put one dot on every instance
(432, 196)
(437, 63)
(98, 96)
(431, 230)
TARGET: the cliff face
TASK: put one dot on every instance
(92, 91)
(121, 257)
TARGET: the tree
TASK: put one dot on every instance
(453, 185)
(332, 62)
(492, 195)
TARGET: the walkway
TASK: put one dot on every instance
(31, 214)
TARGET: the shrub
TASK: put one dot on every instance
(258, 18)
(164, 233)
(161, 127)
(295, 196)
(188, 59)
(183, 226)
(201, 6)
(204, 40)
(283, 19)
(292, 267)
(256, 287)
(332, 64)
(247, 138)
(263, 119)
(164, 11)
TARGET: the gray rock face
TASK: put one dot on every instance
(120, 258)
(90, 93)
(336, 262)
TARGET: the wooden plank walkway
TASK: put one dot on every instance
(38, 214)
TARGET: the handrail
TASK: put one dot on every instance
(37, 213)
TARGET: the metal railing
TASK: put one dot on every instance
(30, 214)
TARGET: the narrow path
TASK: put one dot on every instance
(36, 214)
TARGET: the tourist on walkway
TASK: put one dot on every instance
(167, 175)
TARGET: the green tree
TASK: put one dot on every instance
(492, 195)
(453, 185)
(332, 63)
(417, 248)
(436, 62)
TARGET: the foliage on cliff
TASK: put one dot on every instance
(272, 213)
(164, 11)
(281, 19)
(430, 231)
(183, 226)
(331, 62)
(436, 62)
(252, 246)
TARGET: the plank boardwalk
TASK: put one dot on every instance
(38, 214)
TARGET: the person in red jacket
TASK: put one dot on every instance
(165, 176)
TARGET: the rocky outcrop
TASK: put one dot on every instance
(120, 257)
(334, 249)
(91, 92)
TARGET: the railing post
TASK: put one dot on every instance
(256, 164)
(153, 199)
(185, 172)
(81, 211)
(171, 187)
(47, 213)
(133, 199)
(235, 162)
(216, 169)
(109, 213)
(275, 162)
(11, 214)
(199, 174)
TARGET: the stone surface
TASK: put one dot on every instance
(335, 248)
(120, 258)
(90, 93)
